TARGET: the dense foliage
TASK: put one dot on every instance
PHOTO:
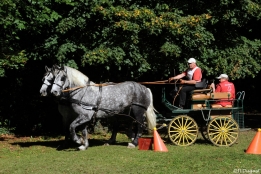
(120, 40)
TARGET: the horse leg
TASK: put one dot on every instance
(84, 139)
(80, 120)
(115, 129)
(65, 115)
(138, 113)
(132, 131)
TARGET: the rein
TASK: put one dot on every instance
(97, 85)
(108, 84)
(96, 107)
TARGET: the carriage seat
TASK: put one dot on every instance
(201, 87)
(201, 94)
(218, 96)
(220, 106)
(205, 100)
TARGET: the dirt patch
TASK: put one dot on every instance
(6, 137)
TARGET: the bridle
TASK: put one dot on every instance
(48, 78)
(60, 83)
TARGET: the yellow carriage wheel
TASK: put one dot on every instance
(183, 130)
(223, 131)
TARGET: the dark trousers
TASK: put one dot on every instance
(183, 93)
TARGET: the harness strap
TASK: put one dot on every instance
(97, 104)
(97, 85)
(78, 102)
(140, 105)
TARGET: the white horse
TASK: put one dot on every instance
(96, 101)
(64, 108)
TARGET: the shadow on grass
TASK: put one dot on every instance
(198, 141)
(59, 145)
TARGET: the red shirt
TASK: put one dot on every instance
(226, 86)
(197, 75)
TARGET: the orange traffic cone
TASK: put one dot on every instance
(255, 145)
(158, 143)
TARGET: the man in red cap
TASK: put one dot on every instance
(194, 75)
(224, 86)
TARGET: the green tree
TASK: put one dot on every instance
(133, 37)
(120, 40)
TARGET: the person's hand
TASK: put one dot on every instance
(181, 81)
(170, 79)
(212, 85)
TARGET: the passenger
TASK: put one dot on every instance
(224, 86)
(194, 75)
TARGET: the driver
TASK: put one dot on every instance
(193, 75)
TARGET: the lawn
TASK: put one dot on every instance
(39, 155)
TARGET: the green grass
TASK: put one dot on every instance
(39, 155)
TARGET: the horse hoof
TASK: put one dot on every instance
(130, 145)
(82, 148)
(79, 141)
(106, 144)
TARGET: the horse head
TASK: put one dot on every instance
(61, 81)
(47, 81)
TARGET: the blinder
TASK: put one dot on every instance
(47, 79)
(60, 83)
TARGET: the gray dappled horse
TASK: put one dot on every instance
(96, 101)
(68, 114)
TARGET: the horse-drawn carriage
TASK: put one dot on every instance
(88, 100)
(217, 124)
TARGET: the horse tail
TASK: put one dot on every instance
(150, 114)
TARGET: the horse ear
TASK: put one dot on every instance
(56, 66)
(47, 69)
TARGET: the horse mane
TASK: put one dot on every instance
(76, 78)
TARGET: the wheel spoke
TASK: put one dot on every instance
(189, 137)
(178, 126)
(177, 136)
(185, 123)
(217, 124)
(183, 139)
(223, 139)
(186, 139)
(221, 122)
(218, 137)
(225, 125)
(173, 131)
(183, 130)
(188, 133)
(213, 133)
(191, 122)
(193, 126)
(180, 139)
(217, 128)
(182, 123)
(175, 128)
(227, 137)
(192, 130)
(232, 129)
(223, 131)
(231, 125)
